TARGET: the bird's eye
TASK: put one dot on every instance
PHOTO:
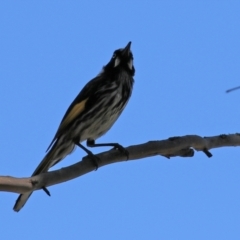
(114, 55)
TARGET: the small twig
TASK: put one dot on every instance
(232, 89)
(207, 152)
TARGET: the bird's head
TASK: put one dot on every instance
(122, 58)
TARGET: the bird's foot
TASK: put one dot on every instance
(121, 149)
(95, 160)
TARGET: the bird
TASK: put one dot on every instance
(91, 114)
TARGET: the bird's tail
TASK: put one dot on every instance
(56, 154)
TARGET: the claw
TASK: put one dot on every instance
(94, 159)
(122, 150)
(46, 191)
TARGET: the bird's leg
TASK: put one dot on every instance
(91, 143)
(94, 158)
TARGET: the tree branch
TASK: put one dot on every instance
(172, 147)
(233, 89)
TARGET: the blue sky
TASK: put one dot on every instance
(186, 54)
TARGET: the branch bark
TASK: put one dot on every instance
(176, 146)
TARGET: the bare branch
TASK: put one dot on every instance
(175, 146)
(232, 89)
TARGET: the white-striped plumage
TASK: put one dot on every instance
(92, 113)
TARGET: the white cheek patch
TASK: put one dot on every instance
(117, 61)
(130, 64)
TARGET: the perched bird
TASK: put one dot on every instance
(91, 114)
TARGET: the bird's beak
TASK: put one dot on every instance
(126, 50)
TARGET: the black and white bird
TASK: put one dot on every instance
(91, 114)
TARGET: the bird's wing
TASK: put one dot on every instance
(77, 106)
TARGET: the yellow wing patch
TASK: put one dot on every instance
(76, 110)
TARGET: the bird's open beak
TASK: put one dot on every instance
(126, 50)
